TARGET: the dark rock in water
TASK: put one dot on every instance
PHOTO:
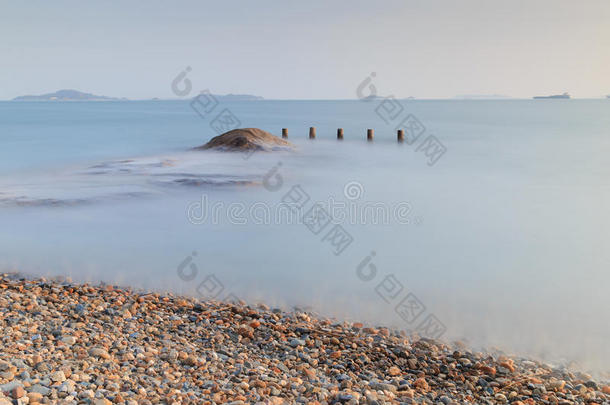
(198, 180)
(247, 139)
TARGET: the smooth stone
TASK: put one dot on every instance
(297, 342)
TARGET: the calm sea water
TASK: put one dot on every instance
(502, 240)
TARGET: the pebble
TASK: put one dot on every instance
(99, 352)
(69, 340)
(65, 343)
(58, 376)
(34, 397)
(17, 392)
(297, 342)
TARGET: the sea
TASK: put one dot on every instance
(488, 225)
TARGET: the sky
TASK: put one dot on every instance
(307, 50)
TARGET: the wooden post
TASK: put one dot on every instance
(285, 133)
(340, 134)
(312, 132)
(401, 136)
(369, 135)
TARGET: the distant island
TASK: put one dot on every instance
(75, 95)
(555, 96)
(65, 95)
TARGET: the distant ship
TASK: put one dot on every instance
(608, 96)
(564, 95)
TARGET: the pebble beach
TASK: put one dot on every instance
(68, 343)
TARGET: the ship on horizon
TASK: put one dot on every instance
(564, 95)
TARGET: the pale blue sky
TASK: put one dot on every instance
(308, 49)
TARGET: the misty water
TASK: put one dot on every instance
(502, 239)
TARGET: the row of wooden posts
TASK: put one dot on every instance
(370, 134)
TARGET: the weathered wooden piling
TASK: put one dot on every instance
(400, 136)
(340, 134)
(370, 134)
(285, 133)
(312, 132)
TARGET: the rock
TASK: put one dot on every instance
(17, 392)
(557, 384)
(87, 394)
(394, 371)
(488, 370)
(99, 352)
(246, 331)
(10, 386)
(383, 387)
(508, 364)
(34, 397)
(58, 376)
(69, 340)
(67, 386)
(180, 350)
(7, 375)
(502, 370)
(501, 398)
(247, 139)
(44, 391)
(591, 384)
(297, 342)
(421, 384)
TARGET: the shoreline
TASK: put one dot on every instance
(69, 343)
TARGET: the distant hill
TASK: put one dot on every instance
(75, 95)
(65, 95)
